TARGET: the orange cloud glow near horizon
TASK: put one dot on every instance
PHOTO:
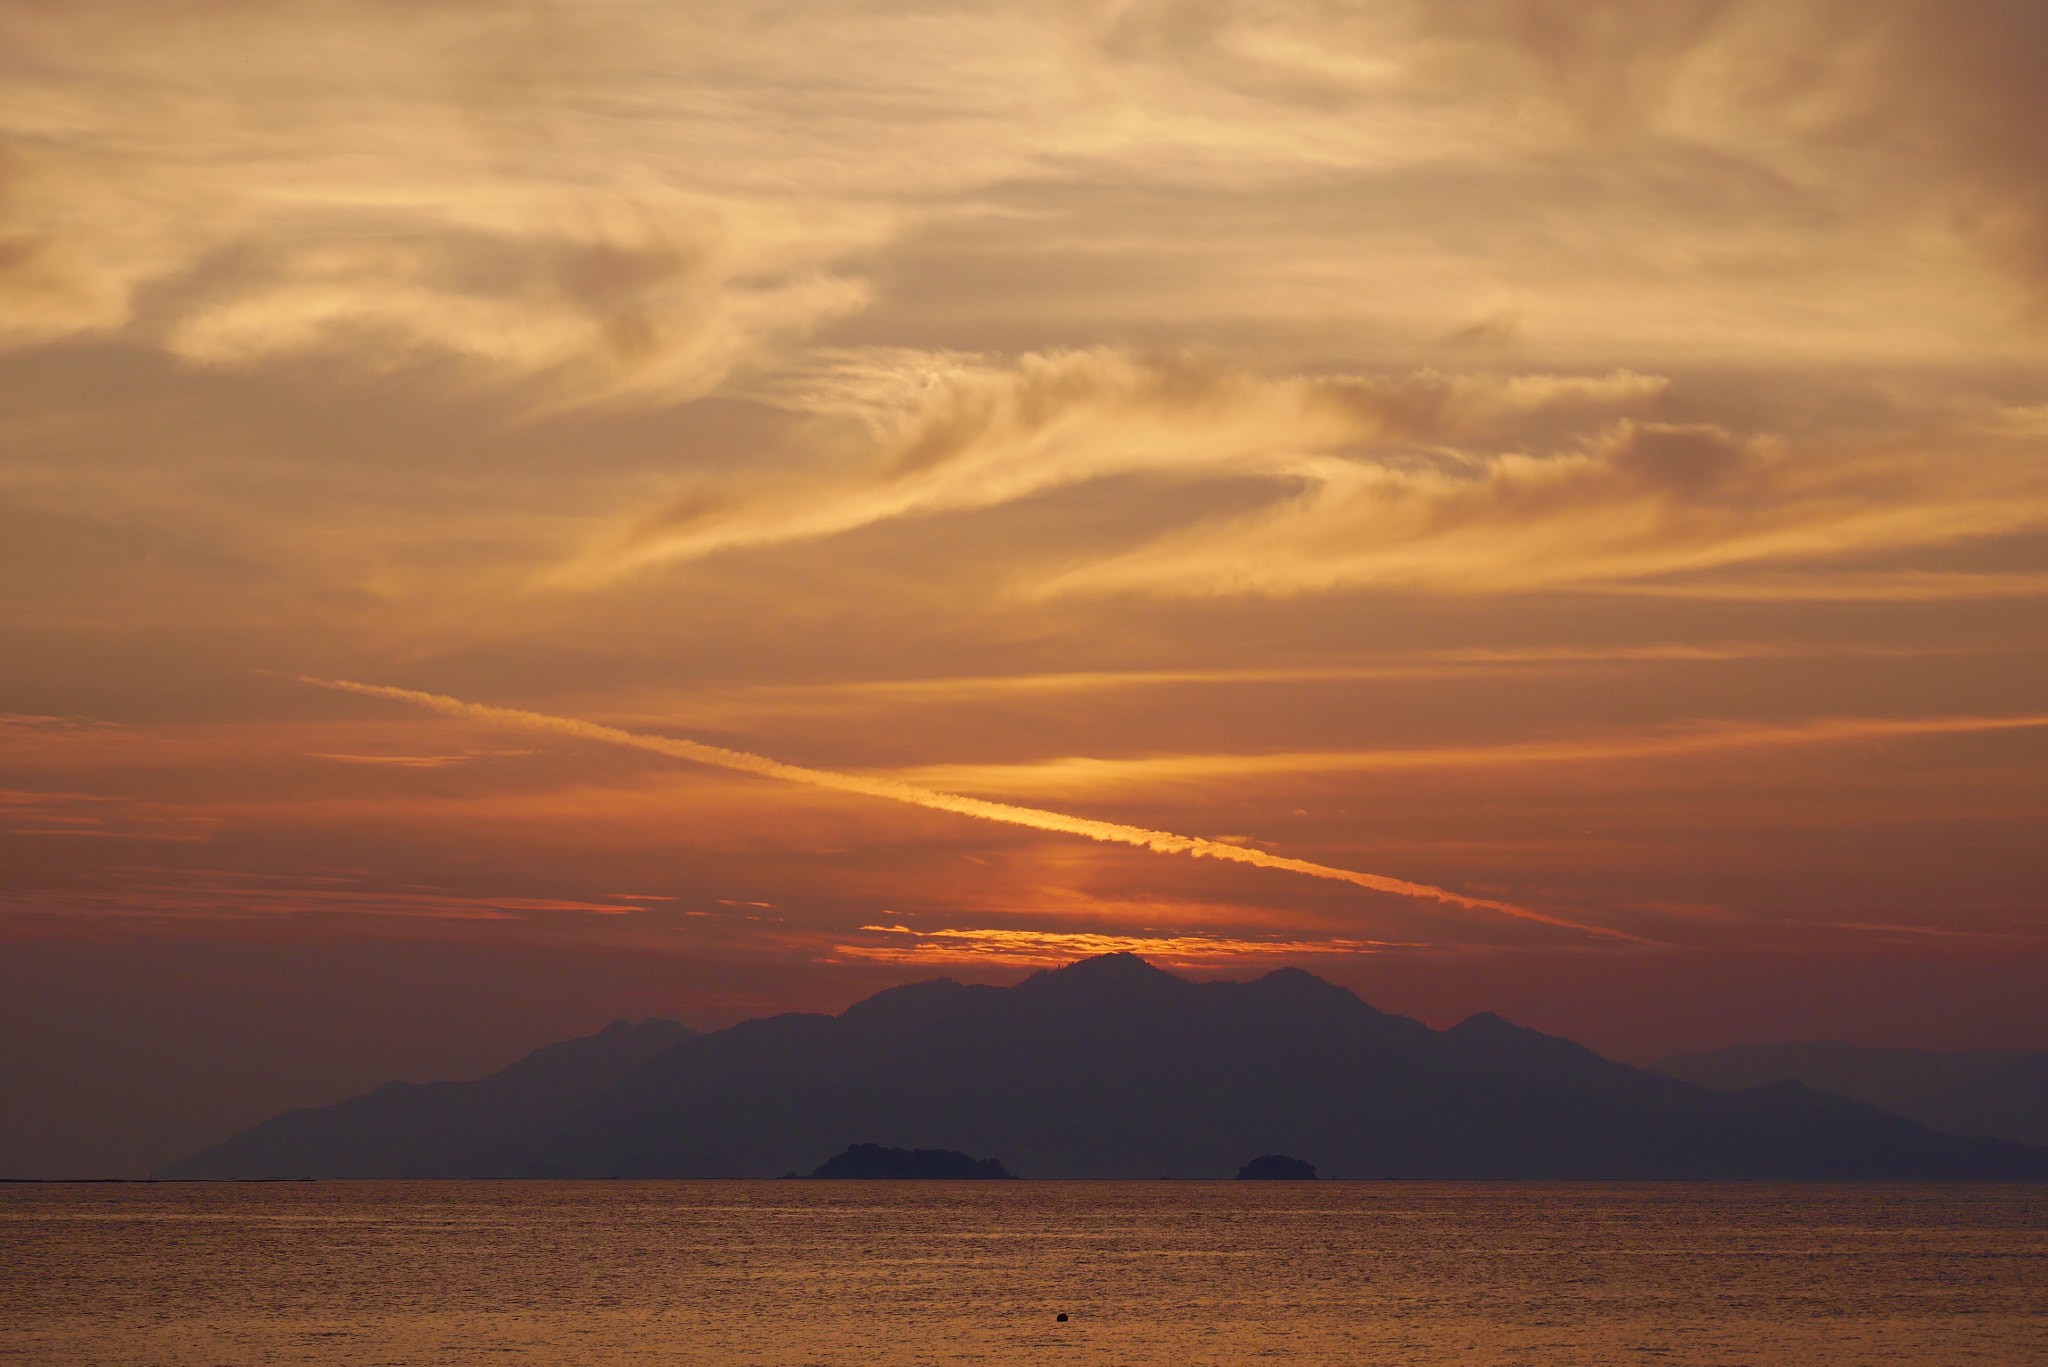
(1159, 842)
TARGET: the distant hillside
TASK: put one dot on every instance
(1113, 1068)
(438, 1129)
(2002, 1093)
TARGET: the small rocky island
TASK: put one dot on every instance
(872, 1162)
(1277, 1167)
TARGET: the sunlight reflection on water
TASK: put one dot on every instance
(1158, 1272)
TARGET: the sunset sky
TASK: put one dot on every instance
(1547, 499)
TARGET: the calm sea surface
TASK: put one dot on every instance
(1158, 1272)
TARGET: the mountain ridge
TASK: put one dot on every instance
(1112, 1067)
(424, 1129)
(1999, 1093)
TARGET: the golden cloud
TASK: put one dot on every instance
(1051, 949)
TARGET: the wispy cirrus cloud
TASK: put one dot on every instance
(969, 436)
(506, 198)
(1636, 502)
(1086, 774)
(393, 187)
(1428, 482)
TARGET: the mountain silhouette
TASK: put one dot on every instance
(1111, 1067)
(2002, 1093)
(438, 1129)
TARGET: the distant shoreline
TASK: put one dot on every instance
(156, 1181)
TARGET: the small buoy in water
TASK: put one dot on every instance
(1061, 1318)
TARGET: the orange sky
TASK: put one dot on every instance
(1588, 458)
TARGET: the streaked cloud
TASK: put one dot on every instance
(1851, 586)
(1045, 948)
(972, 437)
(1639, 501)
(1944, 933)
(1160, 842)
(1429, 482)
(751, 703)
(417, 761)
(42, 813)
(19, 725)
(1082, 774)
(144, 893)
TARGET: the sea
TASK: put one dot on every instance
(1180, 1273)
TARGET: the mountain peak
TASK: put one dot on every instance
(1119, 961)
(1103, 978)
(1121, 966)
(1299, 982)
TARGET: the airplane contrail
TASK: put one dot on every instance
(1161, 842)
